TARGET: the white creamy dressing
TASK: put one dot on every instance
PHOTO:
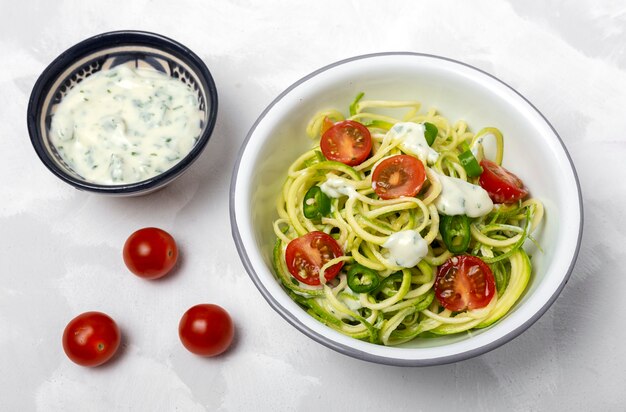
(336, 187)
(459, 197)
(125, 125)
(406, 248)
(412, 141)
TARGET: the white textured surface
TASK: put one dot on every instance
(60, 248)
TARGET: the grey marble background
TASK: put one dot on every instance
(60, 249)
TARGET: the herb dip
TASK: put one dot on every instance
(459, 197)
(406, 248)
(125, 125)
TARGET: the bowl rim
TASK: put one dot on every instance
(104, 41)
(356, 353)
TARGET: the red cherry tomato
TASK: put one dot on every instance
(397, 176)
(464, 282)
(307, 254)
(150, 253)
(91, 339)
(347, 142)
(206, 330)
(502, 185)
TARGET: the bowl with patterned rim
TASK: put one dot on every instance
(107, 51)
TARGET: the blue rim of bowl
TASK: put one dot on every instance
(350, 351)
(101, 42)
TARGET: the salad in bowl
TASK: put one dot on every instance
(406, 209)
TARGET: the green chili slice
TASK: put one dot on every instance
(315, 204)
(362, 279)
(469, 162)
(455, 231)
(430, 133)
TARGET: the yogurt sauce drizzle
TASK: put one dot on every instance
(125, 125)
(412, 140)
(406, 248)
(337, 187)
(459, 197)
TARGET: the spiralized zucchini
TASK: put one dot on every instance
(405, 307)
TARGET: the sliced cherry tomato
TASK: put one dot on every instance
(307, 254)
(150, 253)
(91, 339)
(206, 330)
(464, 282)
(397, 176)
(348, 142)
(502, 185)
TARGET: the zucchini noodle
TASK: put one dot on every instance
(404, 306)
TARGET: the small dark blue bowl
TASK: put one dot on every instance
(105, 51)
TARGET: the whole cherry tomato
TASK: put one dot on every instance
(206, 330)
(91, 339)
(150, 253)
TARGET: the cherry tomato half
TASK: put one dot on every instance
(502, 185)
(348, 142)
(150, 253)
(464, 282)
(91, 339)
(206, 330)
(307, 254)
(397, 176)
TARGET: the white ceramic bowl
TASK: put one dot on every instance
(533, 150)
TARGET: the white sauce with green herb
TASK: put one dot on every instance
(406, 248)
(459, 197)
(336, 187)
(412, 140)
(125, 125)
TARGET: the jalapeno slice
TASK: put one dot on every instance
(455, 231)
(469, 162)
(315, 204)
(430, 134)
(362, 279)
